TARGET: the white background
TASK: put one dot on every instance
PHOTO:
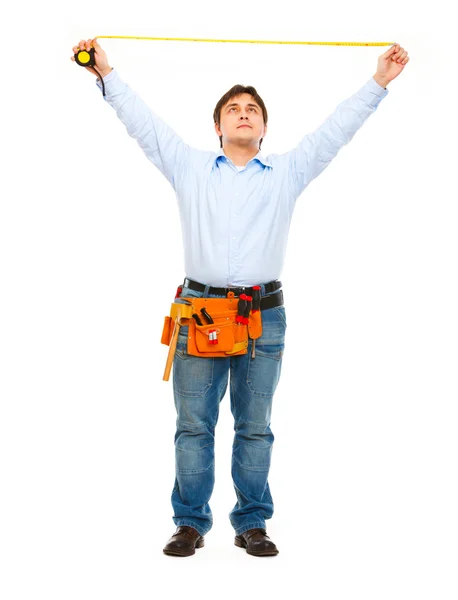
(364, 465)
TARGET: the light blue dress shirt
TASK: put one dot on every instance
(235, 221)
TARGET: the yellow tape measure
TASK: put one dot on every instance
(86, 58)
(136, 37)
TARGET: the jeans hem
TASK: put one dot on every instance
(244, 528)
(180, 522)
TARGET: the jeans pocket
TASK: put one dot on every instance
(192, 375)
(280, 310)
(263, 372)
(188, 293)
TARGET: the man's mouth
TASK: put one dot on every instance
(244, 126)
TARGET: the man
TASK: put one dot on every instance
(235, 208)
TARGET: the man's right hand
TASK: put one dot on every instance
(101, 62)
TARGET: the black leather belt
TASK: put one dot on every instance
(266, 301)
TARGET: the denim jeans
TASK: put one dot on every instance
(199, 385)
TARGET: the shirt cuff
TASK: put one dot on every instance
(109, 80)
(372, 93)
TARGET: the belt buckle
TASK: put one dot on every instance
(234, 289)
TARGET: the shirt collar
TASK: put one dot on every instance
(262, 159)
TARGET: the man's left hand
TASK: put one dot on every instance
(391, 63)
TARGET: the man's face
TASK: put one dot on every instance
(242, 122)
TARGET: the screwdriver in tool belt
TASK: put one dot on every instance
(247, 310)
(256, 298)
(197, 318)
(256, 307)
(207, 316)
(241, 309)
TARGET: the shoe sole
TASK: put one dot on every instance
(240, 543)
(199, 544)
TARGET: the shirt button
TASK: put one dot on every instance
(233, 238)
(236, 193)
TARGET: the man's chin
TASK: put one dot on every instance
(245, 140)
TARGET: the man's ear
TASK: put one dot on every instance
(218, 130)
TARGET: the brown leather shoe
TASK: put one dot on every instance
(184, 542)
(257, 542)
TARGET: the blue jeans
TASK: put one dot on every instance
(199, 385)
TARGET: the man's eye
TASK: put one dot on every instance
(234, 108)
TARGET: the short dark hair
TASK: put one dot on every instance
(237, 90)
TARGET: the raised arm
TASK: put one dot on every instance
(316, 150)
(161, 145)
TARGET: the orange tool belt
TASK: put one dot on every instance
(226, 336)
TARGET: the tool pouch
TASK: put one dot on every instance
(231, 337)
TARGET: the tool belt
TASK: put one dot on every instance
(234, 320)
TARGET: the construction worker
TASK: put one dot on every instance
(236, 207)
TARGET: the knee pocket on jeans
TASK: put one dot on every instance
(194, 450)
(252, 458)
(192, 471)
(254, 468)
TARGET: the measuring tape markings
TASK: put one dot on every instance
(86, 58)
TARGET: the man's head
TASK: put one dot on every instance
(241, 105)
